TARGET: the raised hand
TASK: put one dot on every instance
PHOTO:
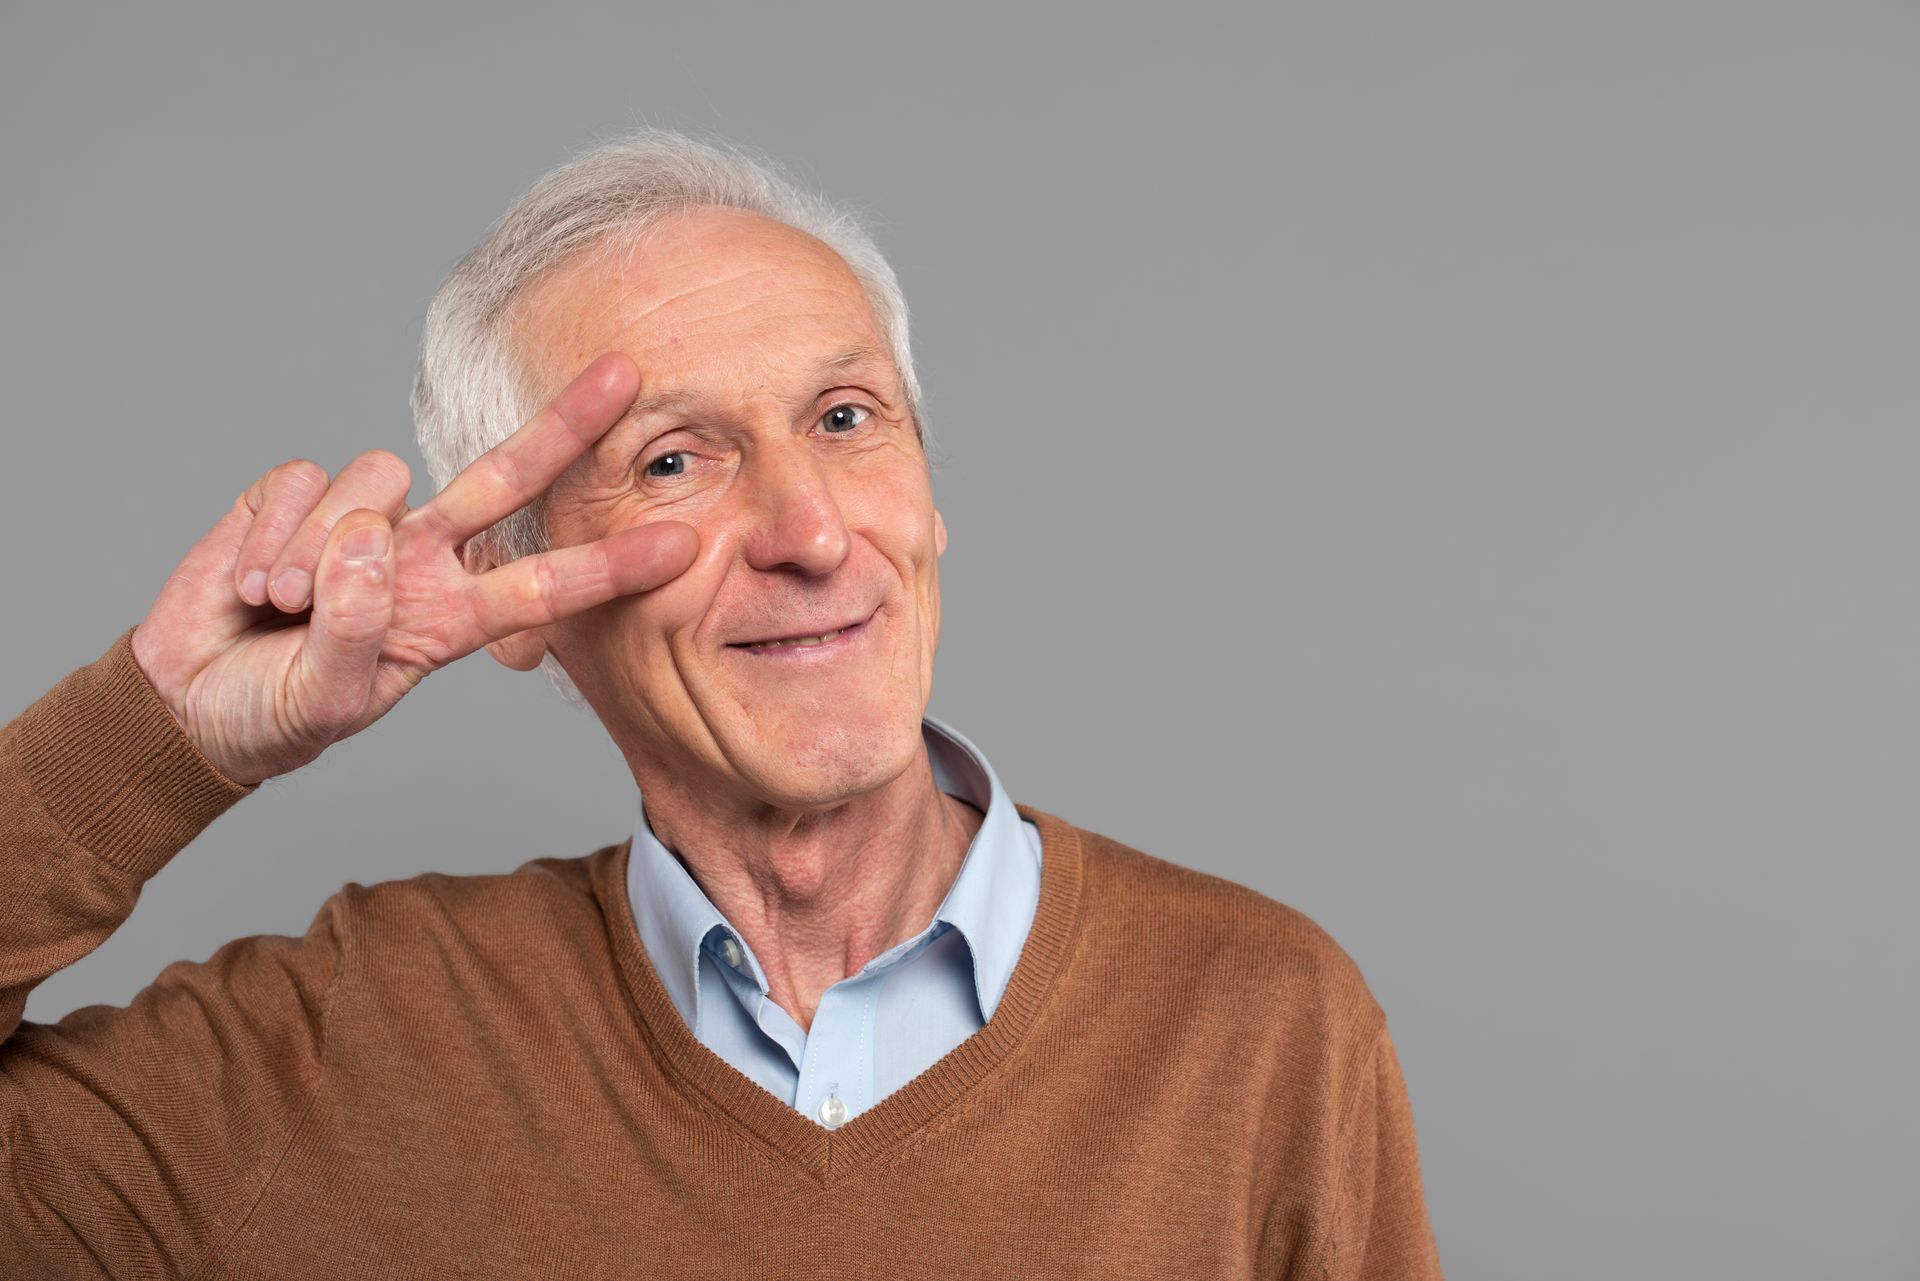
(312, 608)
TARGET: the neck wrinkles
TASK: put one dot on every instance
(819, 894)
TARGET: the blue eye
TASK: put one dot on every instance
(653, 467)
(839, 414)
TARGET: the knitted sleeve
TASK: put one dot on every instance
(1379, 1227)
(134, 1140)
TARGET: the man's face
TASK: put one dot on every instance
(773, 422)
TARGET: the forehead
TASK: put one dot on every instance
(718, 293)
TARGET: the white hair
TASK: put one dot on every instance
(469, 394)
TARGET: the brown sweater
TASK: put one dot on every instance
(480, 1076)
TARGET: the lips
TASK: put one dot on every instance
(801, 639)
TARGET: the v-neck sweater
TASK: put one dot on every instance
(900, 1013)
(482, 1075)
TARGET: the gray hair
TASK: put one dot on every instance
(469, 393)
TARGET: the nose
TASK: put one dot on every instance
(797, 519)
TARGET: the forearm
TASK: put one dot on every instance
(133, 1133)
(99, 789)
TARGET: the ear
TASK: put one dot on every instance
(939, 534)
(521, 651)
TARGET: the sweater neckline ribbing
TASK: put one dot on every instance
(867, 1140)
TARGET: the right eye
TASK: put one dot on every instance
(654, 467)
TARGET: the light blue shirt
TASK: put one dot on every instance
(876, 1030)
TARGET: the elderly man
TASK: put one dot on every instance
(838, 1007)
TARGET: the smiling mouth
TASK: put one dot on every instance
(800, 642)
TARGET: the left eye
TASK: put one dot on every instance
(841, 417)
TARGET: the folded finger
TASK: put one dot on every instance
(377, 480)
(280, 500)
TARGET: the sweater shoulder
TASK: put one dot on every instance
(1228, 935)
(543, 899)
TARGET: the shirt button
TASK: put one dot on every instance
(833, 1111)
(732, 949)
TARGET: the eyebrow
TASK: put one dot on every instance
(663, 400)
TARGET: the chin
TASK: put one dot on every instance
(822, 761)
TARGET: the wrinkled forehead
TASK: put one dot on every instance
(710, 296)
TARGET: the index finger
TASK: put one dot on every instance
(520, 468)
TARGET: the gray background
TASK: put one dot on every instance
(1450, 467)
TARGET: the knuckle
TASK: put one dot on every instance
(385, 465)
(354, 605)
(254, 496)
(298, 472)
(391, 461)
(512, 477)
(359, 623)
(546, 588)
(303, 472)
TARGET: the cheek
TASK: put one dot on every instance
(896, 515)
(675, 609)
(600, 509)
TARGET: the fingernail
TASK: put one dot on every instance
(253, 588)
(293, 586)
(369, 542)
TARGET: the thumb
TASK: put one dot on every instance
(352, 610)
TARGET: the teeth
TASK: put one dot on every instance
(802, 640)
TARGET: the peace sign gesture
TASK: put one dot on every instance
(384, 596)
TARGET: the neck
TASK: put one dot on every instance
(818, 893)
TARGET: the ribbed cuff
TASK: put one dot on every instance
(112, 766)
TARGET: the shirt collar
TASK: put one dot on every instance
(675, 917)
